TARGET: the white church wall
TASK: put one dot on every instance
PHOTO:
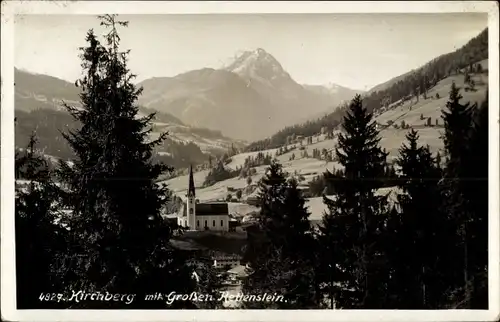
(221, 222)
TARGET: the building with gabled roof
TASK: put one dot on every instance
(202, 216)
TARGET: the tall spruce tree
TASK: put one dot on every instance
(351, 228)
(40, 239)
(418, 238)
(477, 195)
(283, 257)
(457, 122)
(120, 242)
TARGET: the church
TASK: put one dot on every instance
(202, 216)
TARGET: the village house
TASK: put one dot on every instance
(223, 261)
(237, 273)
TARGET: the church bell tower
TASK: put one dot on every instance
(191, 201)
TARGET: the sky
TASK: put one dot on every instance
(358, 51)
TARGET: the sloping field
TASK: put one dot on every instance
(317, 207)
(391, 140)
(432, 107)
(239, 159)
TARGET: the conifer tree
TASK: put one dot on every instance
(40, 239)
(457, 122)
(120, 242)
(286, 244)
(477, 194)
(419, 236)
(350, 230)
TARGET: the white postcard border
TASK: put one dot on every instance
(11, 8)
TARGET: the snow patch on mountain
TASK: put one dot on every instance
(257, 64)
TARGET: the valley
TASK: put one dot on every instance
(247, 96)
(307, 167)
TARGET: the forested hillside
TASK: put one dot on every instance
(162, 116)
(39, 101)
(35, 91)
(401, 88)
(49, 124)
(417, 82)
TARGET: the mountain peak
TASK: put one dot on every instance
(261, 52)
(257, 63)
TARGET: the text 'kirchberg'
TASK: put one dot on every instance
(79, 296)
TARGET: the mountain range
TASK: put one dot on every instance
(250, 98)
(204, 110)
(38, 106)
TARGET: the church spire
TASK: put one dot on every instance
(191, 191)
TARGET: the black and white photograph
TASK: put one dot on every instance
(335, 160)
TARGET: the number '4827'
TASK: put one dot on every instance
(50, 297)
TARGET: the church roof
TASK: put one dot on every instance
(209, 209)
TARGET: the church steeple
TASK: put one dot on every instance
(191, 201)
(191, 191)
